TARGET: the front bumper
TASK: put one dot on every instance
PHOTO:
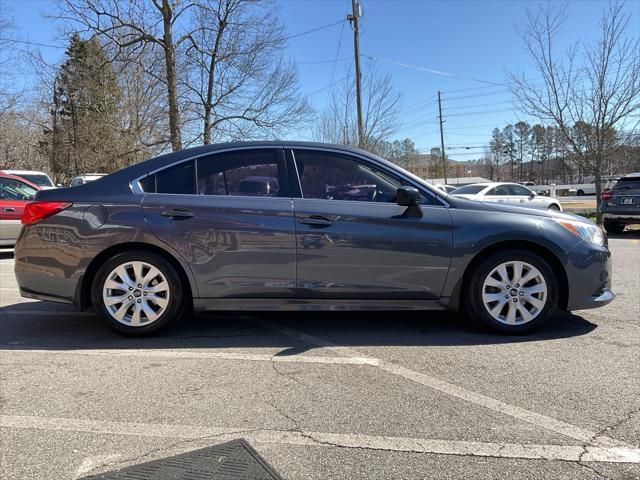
(589, 277)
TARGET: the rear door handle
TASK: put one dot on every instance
(8, 209)
(177, 213)
(316, 221)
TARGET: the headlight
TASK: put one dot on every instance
(589, 233)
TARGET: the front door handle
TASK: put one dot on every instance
(316, 221)
(177, 213)
(8, 209)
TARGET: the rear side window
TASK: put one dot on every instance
(519, 190)
(248, 173)
(178, 179)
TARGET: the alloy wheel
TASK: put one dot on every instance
(136, 293)
(514, 293)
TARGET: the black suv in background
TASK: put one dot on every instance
(621, 205)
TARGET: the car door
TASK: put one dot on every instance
(354, 241)
(230, 216)
(14, 195)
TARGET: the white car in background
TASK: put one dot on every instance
(41, 179)
(507, 193)
(82, 179)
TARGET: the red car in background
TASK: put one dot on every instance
(15, 193)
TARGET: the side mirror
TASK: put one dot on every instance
(407, 196)
(533, 194)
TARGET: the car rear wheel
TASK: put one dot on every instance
(137, 293)
(513, 292)
(613, 227)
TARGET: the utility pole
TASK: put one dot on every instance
(355, 13)
(444, 158)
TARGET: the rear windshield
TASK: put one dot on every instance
(629, 183)
(40, 180)
(469, 189)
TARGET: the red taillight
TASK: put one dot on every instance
(607, 195)
(36, 211)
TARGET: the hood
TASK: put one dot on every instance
(461, 202)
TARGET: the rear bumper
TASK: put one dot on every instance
(621, 217)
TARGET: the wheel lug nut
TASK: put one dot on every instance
(130, 288)
(515, 300)
(508, 287)
(139, 285)
(130, 297)
(145, 294)
(517, 285)
(139, 300)
(521, 293)
(506, 296)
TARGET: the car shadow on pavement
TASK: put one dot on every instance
(41, 325)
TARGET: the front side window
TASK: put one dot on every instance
(250, 172)
(520, 191)
(331, 176)
(12, 189)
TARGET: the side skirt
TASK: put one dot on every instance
(298, 304)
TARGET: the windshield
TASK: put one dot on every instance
(39, 179)
(469, 189)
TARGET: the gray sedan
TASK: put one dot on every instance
(336, 228)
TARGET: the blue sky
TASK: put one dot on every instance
(472, 39)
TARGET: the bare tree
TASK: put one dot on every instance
(338, 123)
(591, 101)
(239, 85)
(142, 24)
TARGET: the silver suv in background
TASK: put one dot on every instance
(621, 205)
(82, 179)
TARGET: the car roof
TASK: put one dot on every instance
(25, 172)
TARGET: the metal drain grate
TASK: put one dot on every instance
(228, 461)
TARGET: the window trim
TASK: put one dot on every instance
(367, 161)
(136, 187)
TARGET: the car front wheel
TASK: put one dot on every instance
(137, 293)
(613, 227)
(513, 292)
(554, 207)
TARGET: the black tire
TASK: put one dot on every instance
(580, 193)
(173, 310)
(613, 227)
(554, 207)
(475, 308)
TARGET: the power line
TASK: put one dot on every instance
(34, 44)
(313, 62)
(313, 30)
(480, 113)
(329, 86)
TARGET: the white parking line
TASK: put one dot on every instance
(534, 418)
(162, 353)
(324, 439)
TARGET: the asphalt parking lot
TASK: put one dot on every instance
(327, 395)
